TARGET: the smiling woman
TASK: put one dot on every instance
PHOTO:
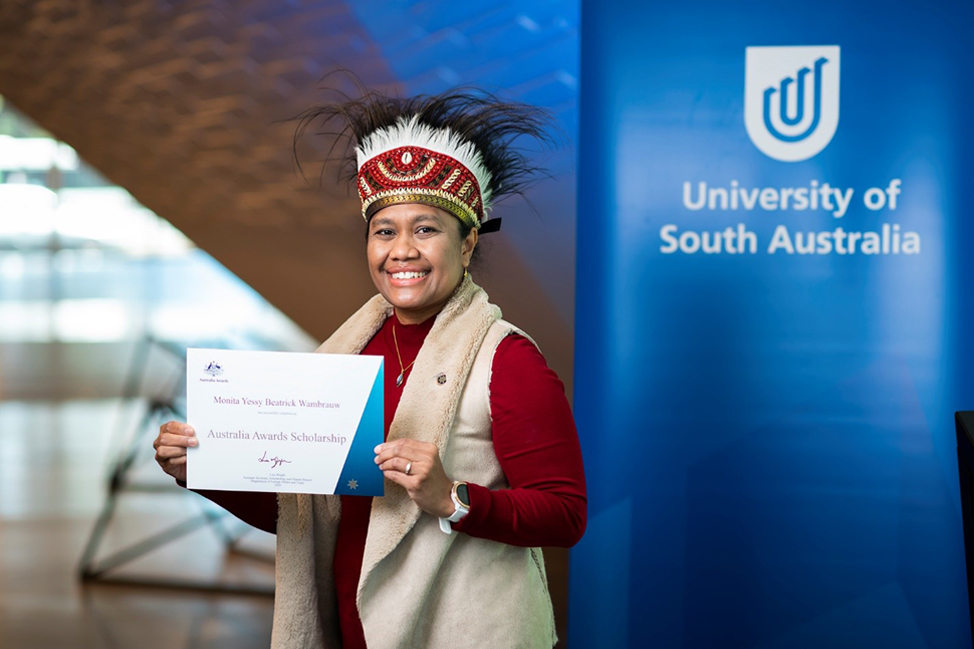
(481, 458)
(417, 258)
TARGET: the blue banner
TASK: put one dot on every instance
(774, 324)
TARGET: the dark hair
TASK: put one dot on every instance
(490, 124)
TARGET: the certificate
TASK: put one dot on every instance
(284, 422)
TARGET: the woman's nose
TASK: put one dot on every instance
(404, 247)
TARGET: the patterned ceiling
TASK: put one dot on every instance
(186, 104)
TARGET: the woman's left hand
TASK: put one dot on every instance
(417, 468)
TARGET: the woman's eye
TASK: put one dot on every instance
(426, 230)
(382, 233)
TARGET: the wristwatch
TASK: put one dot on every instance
(461, 502)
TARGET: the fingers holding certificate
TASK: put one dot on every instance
(171, 444)
(283, 422)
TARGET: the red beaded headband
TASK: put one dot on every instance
(411, 162)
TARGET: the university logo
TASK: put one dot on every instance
(791, 99)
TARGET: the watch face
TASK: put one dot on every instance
(462, 495)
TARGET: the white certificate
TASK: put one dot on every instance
(284, 422)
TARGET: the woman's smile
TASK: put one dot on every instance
(407, 277)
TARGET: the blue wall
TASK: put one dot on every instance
(769, 437)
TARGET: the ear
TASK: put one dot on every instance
(467, 246)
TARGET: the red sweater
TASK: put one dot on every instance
(536, 444)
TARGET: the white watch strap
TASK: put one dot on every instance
(455, 517)
(445, 526)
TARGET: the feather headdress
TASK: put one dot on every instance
(454, 150)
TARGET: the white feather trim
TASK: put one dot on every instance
(407, 131)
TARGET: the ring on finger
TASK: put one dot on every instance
(409, 468)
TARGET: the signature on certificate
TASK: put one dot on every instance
(274, 461)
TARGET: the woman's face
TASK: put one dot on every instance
(416, 258)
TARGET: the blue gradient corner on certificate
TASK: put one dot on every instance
(361, 476)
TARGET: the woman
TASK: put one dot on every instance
(481, 452)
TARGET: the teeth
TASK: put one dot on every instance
(409, 275)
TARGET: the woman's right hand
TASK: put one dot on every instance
(174, 438)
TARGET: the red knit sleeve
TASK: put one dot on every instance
(537, 445)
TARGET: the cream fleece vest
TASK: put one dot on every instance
(419, 587)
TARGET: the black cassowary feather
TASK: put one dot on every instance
(478, 117)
